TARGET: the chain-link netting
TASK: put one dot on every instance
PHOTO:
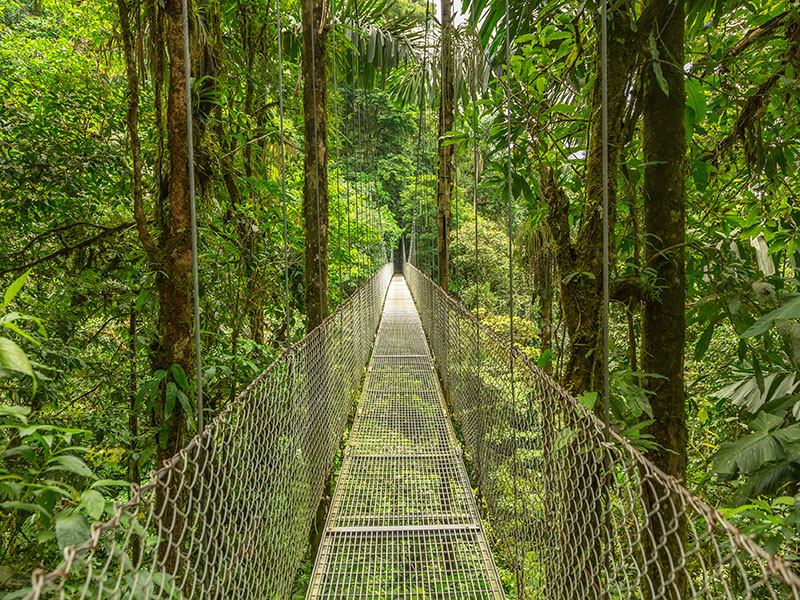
(229, 516)
(571, 514)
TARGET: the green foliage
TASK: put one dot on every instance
(13, 359)
(49, 488)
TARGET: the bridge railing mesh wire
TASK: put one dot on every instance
(569, 513)
(229, 516)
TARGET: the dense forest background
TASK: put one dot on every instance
(94, 388)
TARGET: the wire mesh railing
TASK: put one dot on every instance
(229, 515)
(571, 514)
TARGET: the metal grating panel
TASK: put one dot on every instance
(429, 564)
(392, 491)
(403, 520)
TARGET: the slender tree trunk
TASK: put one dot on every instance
(133, 419)
(171, 255)
(663, 319)
(444, 188)
(315, 188)
(315, 213)
(174, 281)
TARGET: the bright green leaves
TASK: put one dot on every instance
(696, 101)
(753, 392)
(12, 357)
(47, 481)
(14, 289)
(94, 503)
(588, 399)
(70, 464)
(180, 376)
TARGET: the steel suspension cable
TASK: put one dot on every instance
(422, 78)
(337, 147)
(518, 568)
(371, 142)
(475, 210)
(455, 246)
(606, 258)
(379, 217)
(441, 157)
(283, 177)
(187, 71)
(356, 121)
(316, 147)
(365, 134)
(606, 233)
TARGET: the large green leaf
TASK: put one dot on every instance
(14, 289)
(180, 376)
(94, 503)
(72, 528)
(69, 463)
(790, 310)
(752, 451)
(25, 506)
(13, 358)
(749, 394)
(696, 100)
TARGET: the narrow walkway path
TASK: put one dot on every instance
(403, 520)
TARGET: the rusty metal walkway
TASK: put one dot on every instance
(403, 521)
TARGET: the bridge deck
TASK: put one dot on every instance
(403, 521)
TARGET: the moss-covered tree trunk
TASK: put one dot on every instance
(444, 187)
(174, 280)
(171, 256)
(315, 214)
(315, 187)
(663, 319)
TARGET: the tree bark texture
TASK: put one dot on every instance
(170, 255)
(444, 188)
(315, 188)
(663, 319)
(174, 280)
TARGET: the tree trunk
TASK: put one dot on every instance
(444, 188)
(315, 188)
(171, 256)
(580, 264)
(663, 319)
(133, 420)
(174, 280)
(315, 213)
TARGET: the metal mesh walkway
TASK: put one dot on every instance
(403, 520)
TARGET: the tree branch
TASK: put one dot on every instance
(69, 249)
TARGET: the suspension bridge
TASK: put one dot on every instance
(569, 511)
